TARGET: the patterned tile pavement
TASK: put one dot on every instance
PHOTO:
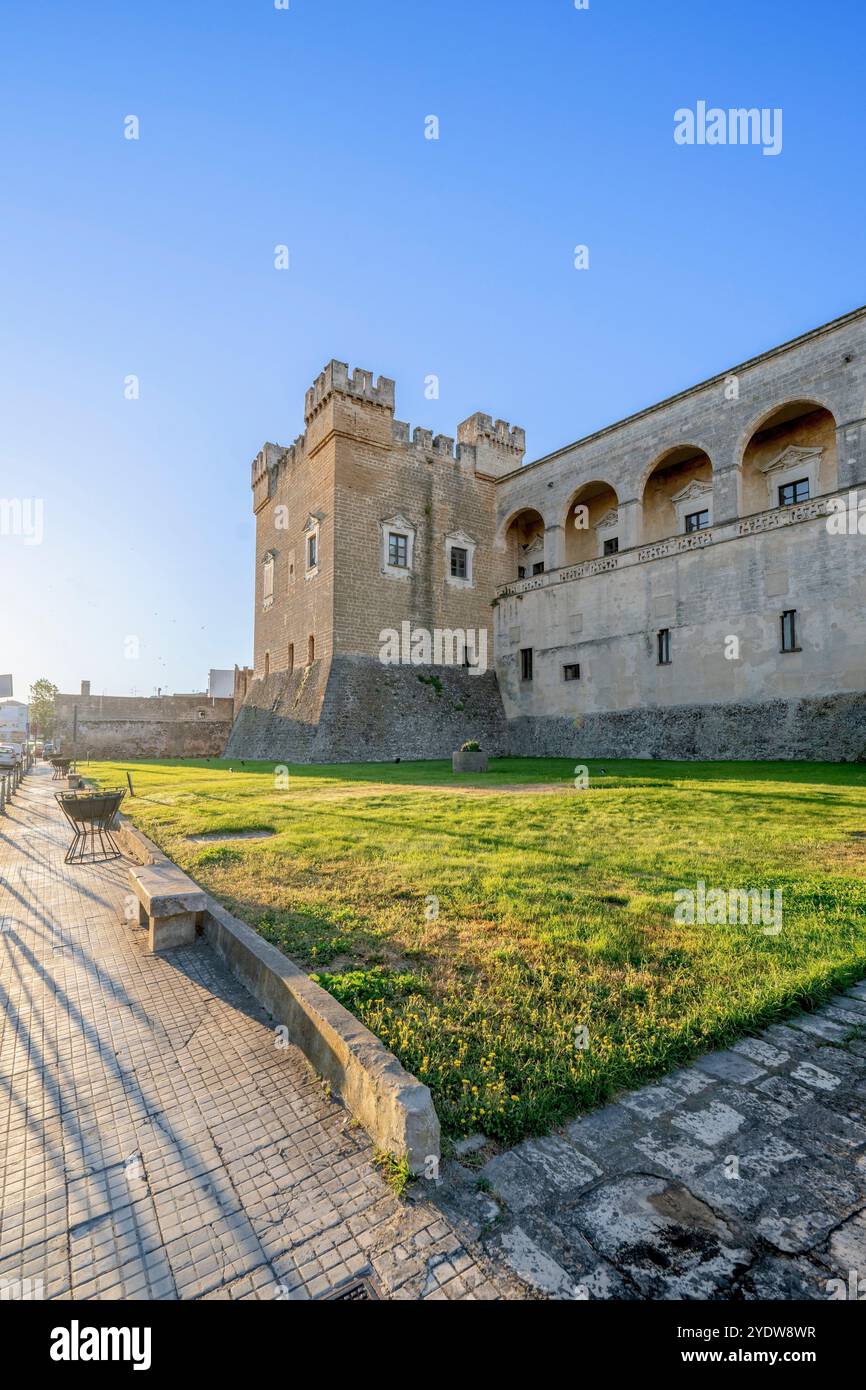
(154, 1141)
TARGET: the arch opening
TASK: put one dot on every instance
(523, 551)
(591, 524)
(790, 457)
(678, 494)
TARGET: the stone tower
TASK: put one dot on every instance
(368, 535)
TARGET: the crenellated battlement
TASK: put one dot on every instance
(498, 432)
(267, 464)
(499, 447)
(424, 441)
(336, 380)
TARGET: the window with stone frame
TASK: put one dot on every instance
(398, 549)
(459, 566)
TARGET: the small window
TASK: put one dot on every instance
(268, 581)
(611, 546)
(697, 521)
(526, 663)
(789, 493)
(291, 657)
(789, 631)
(538, 567)
(202, 714)
(311, 649)
(398, 550)
(664, 647)
(267, 663)
(312, 551)
(571, 672)
(521, 571)
(458, 562)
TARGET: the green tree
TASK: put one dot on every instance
(42, 693)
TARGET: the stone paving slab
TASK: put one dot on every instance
(741, 1177)
(154, 1142)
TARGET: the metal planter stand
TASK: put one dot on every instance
(90, 815)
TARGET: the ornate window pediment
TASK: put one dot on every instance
(311, 545)
(268, 578)
(696, 496)
(460, 571)
(796, 457)
(793, 464)
(401, 527)
(696, 490)
(608, 521)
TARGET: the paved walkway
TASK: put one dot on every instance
(154, 1141)
(740, 1177)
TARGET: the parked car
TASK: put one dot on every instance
(48, 748)
(9, 757)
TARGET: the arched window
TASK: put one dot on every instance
(678, 494)
(591, 524)
(789, 458)
(267, 663)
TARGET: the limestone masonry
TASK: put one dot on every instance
(153, 726)
(689, 582)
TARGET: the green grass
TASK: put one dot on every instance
(555, 909)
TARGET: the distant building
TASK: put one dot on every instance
(221, 685)
(134, 726)
(13, 721)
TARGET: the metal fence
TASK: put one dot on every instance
(11, 779)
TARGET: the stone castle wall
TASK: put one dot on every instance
(160, 726)
(357, 710)
(356, 471)
(829, 729)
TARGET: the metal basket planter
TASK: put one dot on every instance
(90, 815)
(61, 767)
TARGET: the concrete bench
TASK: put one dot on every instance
(169, 904)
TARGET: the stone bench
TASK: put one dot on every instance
(169, 904)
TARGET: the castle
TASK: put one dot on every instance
(689, 582)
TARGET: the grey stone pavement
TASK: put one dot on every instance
(740, 1177)
(154, 1141)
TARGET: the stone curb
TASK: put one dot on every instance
(393, 1107)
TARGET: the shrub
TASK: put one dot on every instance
(471, 746)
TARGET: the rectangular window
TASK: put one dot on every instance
(458, 563)
(611, 547)
(664, 646)
(521, 571)
(789, 493)
(697, 521)
(398, 550)
(291, 657)
(538, 567)
(571, 672)
(526, 663)
(312, 551)
(789, 631)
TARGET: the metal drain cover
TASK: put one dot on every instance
(360, 1290)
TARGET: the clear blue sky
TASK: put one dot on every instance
(408, 257)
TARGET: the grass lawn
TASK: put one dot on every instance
(555, 907)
